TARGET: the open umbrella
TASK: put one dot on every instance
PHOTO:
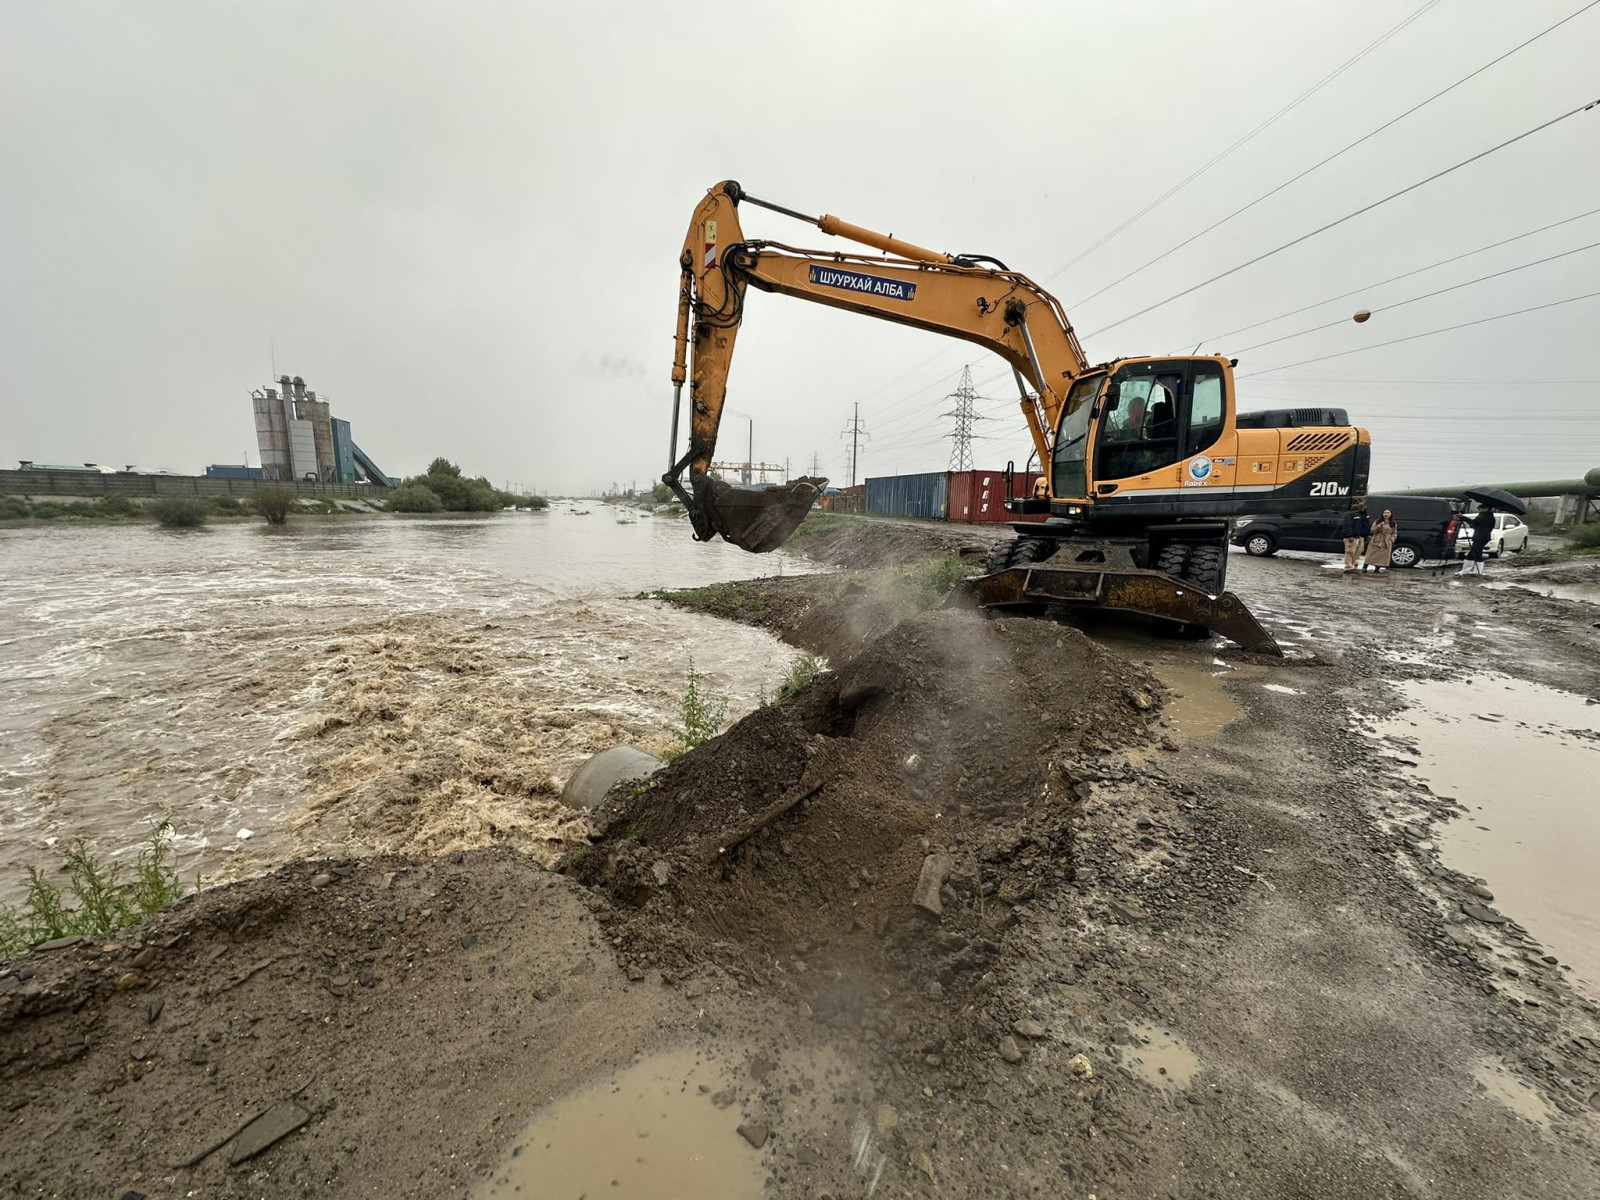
(1497, 498)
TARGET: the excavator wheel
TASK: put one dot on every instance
(1019, 552)
(1204, 564)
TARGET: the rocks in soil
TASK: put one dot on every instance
(755, 1133)
(1028, 1029)
(930, 882)
(1009, 1050)
(271, 1126)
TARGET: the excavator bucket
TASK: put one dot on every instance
(1129, 589)
(755, 519)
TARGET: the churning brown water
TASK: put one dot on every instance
(352, 684)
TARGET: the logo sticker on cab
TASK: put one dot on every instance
(1200, 469)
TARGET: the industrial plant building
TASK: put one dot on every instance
(300, 438)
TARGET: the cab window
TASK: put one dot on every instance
(1141, 433)
(1205, 411)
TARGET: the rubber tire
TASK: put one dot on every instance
(1204, 564)
(1173, 559)
(1208, 566)
(1019, 551)
(1268, 544)
(1522, 547)
(1406, 555)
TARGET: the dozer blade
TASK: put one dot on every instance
(755, 519)
(1153, 593)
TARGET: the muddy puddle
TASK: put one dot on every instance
(1159, 1058)
(653, 1132)
(1523, 759)
(1581, 593)
(342, 685)
(1505, 1088)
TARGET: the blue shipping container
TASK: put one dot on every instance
(926, 495)
(227, 471)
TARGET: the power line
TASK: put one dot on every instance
(1338, 153)
(1347, 217)
(1261, 128)
(961, 437)
(1428, 296)
(855, 433)
(1430, 333)
(1211, 341)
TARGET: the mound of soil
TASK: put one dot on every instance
(791, 845)
(863, 542)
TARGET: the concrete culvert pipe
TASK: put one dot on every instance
(600, 773)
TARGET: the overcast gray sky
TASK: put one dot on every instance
(461, 222)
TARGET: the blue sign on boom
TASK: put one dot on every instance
(867, 285)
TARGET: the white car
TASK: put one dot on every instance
(1510, 534)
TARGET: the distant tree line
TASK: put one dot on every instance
(443, 489)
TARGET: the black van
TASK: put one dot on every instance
(1427, 529)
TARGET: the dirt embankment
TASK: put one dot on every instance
(925, 752)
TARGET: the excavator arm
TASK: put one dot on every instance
(958, 296)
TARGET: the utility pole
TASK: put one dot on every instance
(961, 437)
(815, 469)
(855, 433)
(750, 453)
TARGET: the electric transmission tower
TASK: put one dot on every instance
(854, 432)
(964, 397)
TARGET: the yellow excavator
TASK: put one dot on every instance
(1145, 460)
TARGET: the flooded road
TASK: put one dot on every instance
(1523, 758)
(282, 691)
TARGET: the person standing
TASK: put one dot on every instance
(1380, 545)
(1482, 531)
(1355, 528)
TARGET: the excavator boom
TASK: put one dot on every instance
(958, 296)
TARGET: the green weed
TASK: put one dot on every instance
(802, 674)
(702, 712)
(96, 900)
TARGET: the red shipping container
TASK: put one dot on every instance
(979, 497)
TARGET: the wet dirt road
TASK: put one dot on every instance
(268, 691)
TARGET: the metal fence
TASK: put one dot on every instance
(93, 483)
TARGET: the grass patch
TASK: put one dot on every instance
(702, 713)
(731, 600)
(802, 674)
(180, 512)
(819, 524)
(1585, 538)
(97, 898)
(14, 508)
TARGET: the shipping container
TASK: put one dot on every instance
(845, 500)
(229, 471)
(922, 495)
(978, 497)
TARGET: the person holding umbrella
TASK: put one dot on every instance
(1482, 530)
(1490, 500)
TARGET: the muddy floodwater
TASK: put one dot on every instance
(653, 1131)
(1523, 759)
(343, 685)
